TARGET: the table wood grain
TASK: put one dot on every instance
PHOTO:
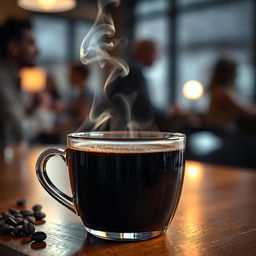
(216, 214)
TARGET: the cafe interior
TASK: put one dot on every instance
(192, 36)
(200, 81)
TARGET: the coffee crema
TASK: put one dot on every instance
(134, 190)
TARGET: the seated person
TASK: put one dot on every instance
(17, 50)
(225, 109)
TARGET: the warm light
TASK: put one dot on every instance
(194, 170)
(193, 90)
(33, 79)
(47, 5)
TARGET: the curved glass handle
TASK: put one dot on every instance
(45, 180)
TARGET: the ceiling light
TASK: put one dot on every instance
(47, 5)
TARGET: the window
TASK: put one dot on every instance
(186, 2)
(51, 35)
(148, 7)
(208, 34)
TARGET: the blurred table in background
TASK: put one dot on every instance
(216, 214)
(220, 146)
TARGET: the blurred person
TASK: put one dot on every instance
(52, 88)
(79, 100)
(57, 103)
(17, 50)
(132, 89)
(69, 113)
(225, 108)
(56, 107)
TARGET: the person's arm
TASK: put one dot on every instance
(229, 101)
(11, 112)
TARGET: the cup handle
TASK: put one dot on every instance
(45, 180)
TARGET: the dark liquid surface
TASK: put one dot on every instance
(126, 192)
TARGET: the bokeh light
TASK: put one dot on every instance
(193, 90)
(33, 79)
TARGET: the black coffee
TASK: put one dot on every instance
(126, 191)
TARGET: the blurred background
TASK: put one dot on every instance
(191, 36)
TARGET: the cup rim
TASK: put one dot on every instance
(128, 136)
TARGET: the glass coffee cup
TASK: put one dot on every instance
(125, 185)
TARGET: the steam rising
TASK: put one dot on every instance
(95, 48)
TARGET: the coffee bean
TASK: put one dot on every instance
(6, 215)
(13, 210)
(11, 221)
(2, 225)
(21, 223)
(31, 219)
(19, 220)
(7, 229)
(17, 230)
(21, 202)
(18, 215)
(26, 213)
(39, 236)
(39, 215)
(25, 221)
(28, 229)
(37, 207)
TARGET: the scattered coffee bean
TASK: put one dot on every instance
(25, 221)
(7, 229)
(15, 222)
(19, 220)
(21, 202)
(18, 215)
(13, 210)
(28, 229)
(1, 227)
(6, 215)
(31, 219)
(17, 230)
(26, 213)
(39, 236)
(11, 221)
(39, 215)
(37, 207)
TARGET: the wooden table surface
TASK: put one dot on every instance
(216, 214)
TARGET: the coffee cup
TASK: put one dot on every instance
(125, 185)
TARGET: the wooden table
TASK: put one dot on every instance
(216, 214)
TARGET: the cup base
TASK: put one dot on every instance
(126, 236)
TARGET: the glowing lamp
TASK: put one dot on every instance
(33, 79)
(193, 90)
(47, 5)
